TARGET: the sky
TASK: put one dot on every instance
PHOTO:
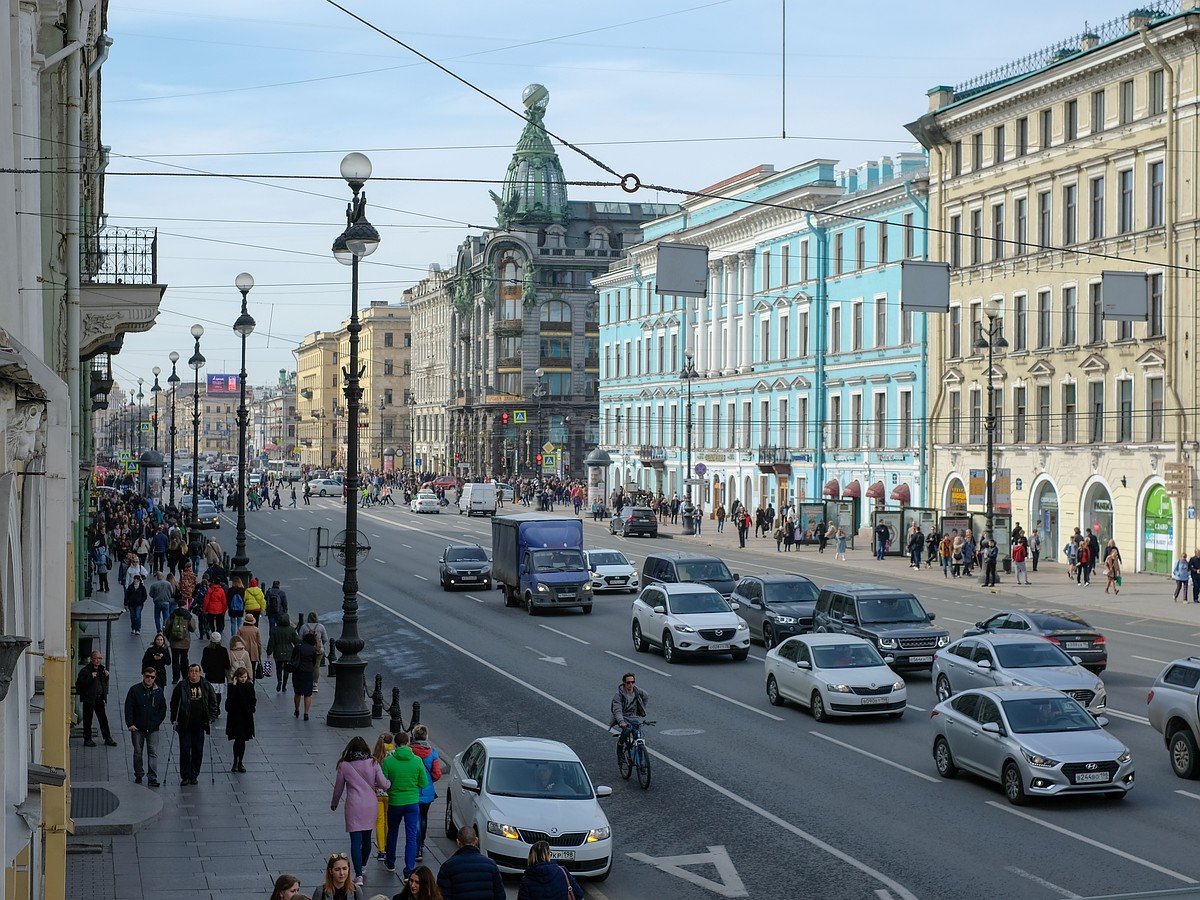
(228, 122)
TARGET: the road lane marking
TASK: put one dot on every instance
(1161, 662)
(1149, 637)
(642, 665)
(377, 559)
(918, 708)
(476, 599)
(876, 757)
(1048, 885)
(809, 838)
(1189, 794)
(1129, 717)
(959, 621)
(564, 634)
(729, 885)
(1107, 848)
(738, 703)
(422, 577)
(542, 657)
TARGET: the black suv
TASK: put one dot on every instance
(674, 566)
(891, 619)
(634, 520)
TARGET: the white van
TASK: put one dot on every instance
(478, 499)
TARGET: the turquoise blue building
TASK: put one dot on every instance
(810, 379)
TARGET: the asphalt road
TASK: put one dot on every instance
(747, 799)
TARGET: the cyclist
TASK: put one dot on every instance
(628, 705)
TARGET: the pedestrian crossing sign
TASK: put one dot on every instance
(519, 417)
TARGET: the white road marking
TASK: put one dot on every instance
(758, 658)
(1048, 885)
(1084, 839)
(557, 660)
(1189, 794)
(1149, 637)
(959, 621)
(730, 884)
(407, 546)
(422, 577)
(563, 633)
(1129, 717)
(476, 599)
(902, 892)
(1161, 662)
(917, 708)
(737, 703)
(876, 757)
(640, 665)
(377, 559)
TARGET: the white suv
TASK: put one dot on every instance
(687, 618)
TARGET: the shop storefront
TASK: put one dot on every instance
(1045, 517)
(1158, 532)
(1098, 512)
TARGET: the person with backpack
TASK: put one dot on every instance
(215, 605)
(1083, 564)
(256, 601)
(429, 755)
(237, 604)
(180, 628)
(277, 604)
(313, 626)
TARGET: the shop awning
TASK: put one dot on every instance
(875, 491)
(853, 489)
(831, 489)
(902, 494)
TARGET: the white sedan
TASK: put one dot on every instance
(834, 675)
(326, 487)
(517, 791)
(426, 502)
(611, 571)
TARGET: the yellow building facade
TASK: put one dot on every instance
(1043, 175)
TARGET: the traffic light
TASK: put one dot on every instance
(504, 418)
(539, 459)
(458, 457)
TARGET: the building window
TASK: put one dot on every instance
(879, 422)
(1157, 96)
(1022, 136)
(976, 425)
(955, 429)
(802, 422)
(1071, 120)
(1124, 331)
(976, 323)
(1125, 201)
(1069, 413)
(1154, 414)
(783, 439)
(955, 242)
(764, 344)
(1069, 335)
(910, 236)
(1021, 210)
(1019, 415)
(906, 419)
(387, 367)
(835, 329)
(976, 236)
(1043, 414)
(1020, 322)
(906, 326)
(955, 332)
(1096, 406)
(1096, 318)
(1125, 410)
(1097, 111)
(765, 264)
(838, 252)
(1045, 128)
(860, 247)
(1154, 326)
(883, 242)
(1070, 202)
(1044, 211)
(998, 231)
(764, 425)
(856, 333)
(784, 321)
(1043, 320)
(956, 158)
(785, 265)
(977, 151)
(804, 260)
(834, 438)
(1126, 101)
(998, 144)
(802, 333)
(1154, 213)
(1096, 219)
(856, 420)
(388, 339)
(880, 321)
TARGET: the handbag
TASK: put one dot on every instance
(268, 668)
(567, 879)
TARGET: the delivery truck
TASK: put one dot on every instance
(537, 561)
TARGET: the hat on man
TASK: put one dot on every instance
(250, 620)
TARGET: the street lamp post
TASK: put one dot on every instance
(197, 363)
(539, 394)
(351, 708)
(173, 381)
(243, 327)
(129, 409)
(156, 390)
(412, 433)
(140, 397)
(687, 510)
(991, 339)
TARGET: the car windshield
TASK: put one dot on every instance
(846, 656)
(1039, 715)
(465, 554)
(538, 778)
(608, 558)
(704, 570)
(1031, 655)
(1058, 622)
(891, 609)
(698, 602)
(561, 560)
(789, 592)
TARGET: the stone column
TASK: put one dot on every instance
(729, 361)
(746, 360)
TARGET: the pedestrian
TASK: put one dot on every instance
(307, 493)
(1112, 570)
(1083, 563)
(239, 723)
(429, 755)
(1019, 554)
(102, 565)
(91, 686)
(1194, 571)
(237, 603)
(946, 555)
(743, 526)
(970, 552)
(468, 874)
(239, 656)
(1035, 546)
(180, 628)
(384, 745)
(314, 627)
(338, 884)
(778, 535)
(1071, 553)
(882, 538)
(160, 593)
(142, 548)
(252, 641)
(720, 517)
(292, 504)
(303, 666)
(362, 781)
(145, 711)
(216, 664)
(931, 547)
(277, 603)
(916, 543)
(545, 879)
(281, 646)
(1182, 576)
(255, 601)
(991, 554)
(840, 544)
(286, 888)
(215, 605)
(158, 656)
(135, 601)
(193, 708)
(406, 777)
(1094, 556)
(421, 885)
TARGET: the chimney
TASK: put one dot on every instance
(851, 180)
(1088, 40)
(911, 163)
(868, 174)
(942, 95)
(1139, 18)
(885, 168)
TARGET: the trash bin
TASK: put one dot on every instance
(1007, 564)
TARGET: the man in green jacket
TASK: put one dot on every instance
(406, 772)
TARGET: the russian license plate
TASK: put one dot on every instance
(620, 580)
(720, 646)
(1091, 777)
(873, 701)
(470, 578)
(570, 596)
(916, 659)
(1078, 645)
(562, 854)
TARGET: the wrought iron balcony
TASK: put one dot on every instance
(121, 256)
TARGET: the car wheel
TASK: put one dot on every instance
(944, 692)
(1014, 788)
(670, 654)
(768, 636)
(773, 694)
(587, 609)
(529, 607)
(943, 760)
(323, 493)
(816, 706)
(739, 655)
(1183, 754)
(451, 829)
(639, 640)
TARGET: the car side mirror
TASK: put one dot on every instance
(989, 727)
(442, 560)
(804, 664)
(660, 610)
(603, 790)
(1102, 721)
(736, 576)
(849, 620)
(971, 632)
(470, 784)
(984, 664)
(733, 604)
(932, 616)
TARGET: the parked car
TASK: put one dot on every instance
(426, 502)
(611, 571)
(676, 566)
(1007, 659)
(891, 619)
(634, 520)
(465, 566)
(326, 487)
(516, 791)
(687, 618)
(1173, 707)
(1067, 629)
(776, 606)
(834, 675)
(1033, 741)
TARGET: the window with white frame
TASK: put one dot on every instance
(881, 321)
(906, 419)
(879, 423)
(1070, 414)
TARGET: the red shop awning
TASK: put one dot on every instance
(853, 489)
(902, 494)
(831, 489)
(875, 491)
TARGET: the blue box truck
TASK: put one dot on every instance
(537, 561)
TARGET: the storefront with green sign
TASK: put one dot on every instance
(1158, 532)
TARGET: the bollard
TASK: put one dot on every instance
(395, 724)
(416, 716)
(377, 699)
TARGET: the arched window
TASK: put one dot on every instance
(510, 287)
(556, 311)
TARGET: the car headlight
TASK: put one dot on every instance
(943, 640)
(1098, 687)
(742, 626)
(504, 831)
(1042, 762)
(542, 589)
(684, 629)
(598, 834)
(840, 688)
(888, 643)
(1125, 757)
(785, 620)
(897, 685)
(587, 586)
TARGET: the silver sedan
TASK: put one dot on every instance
(1014, 659)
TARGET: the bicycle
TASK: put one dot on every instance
(632, 753)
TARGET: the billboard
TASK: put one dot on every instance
(223, 384)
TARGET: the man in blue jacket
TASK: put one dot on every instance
(468, 874)
(145, 710)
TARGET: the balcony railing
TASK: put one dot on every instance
(121, 256)
(649, 452)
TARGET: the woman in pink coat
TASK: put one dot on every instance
(362, 780)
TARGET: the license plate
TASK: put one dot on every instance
(618, 580)
(570, 596)
(720, 646)
(873, 701)
(1078, 645)
(562, 854)
(470, 578)
(920, 659)
(1091, 777)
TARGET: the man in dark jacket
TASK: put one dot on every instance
(145, 710)
(193, 707)
(468, 874)
(92, 688)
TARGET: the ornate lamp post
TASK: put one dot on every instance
(686, 510)
(991, 339)
(412, 433)
(129, 412)
(173, 381)
(243, 327)
(351, 708)
(197, 363)
(140, 398)
(156, 390)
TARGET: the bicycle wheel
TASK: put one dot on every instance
(643, 766)
(624, 762)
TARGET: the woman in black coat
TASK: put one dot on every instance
(158, 654)
(239, 726)
(304, 661)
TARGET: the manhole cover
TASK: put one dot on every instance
(92, 802)
(682, 732)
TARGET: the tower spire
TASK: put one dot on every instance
(535, 190)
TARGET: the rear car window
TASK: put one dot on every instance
(1182, 676)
